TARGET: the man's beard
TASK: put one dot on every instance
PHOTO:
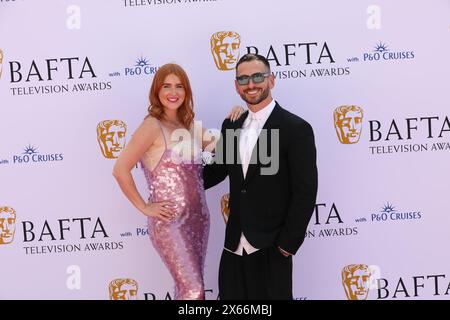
(257, 99)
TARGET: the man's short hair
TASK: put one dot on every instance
(252, 57)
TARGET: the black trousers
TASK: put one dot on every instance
(263, 275)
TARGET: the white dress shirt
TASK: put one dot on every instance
(249, 136)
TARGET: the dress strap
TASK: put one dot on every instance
(163, 132)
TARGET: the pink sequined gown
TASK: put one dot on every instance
(182, 242)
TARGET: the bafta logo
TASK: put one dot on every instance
(1, 62)
(123, 289)
(7, 225)
(356, 281)
(225, 206)
(225, 49)
(111, 137)
(348, 123)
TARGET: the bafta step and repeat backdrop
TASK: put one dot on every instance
(370, 76)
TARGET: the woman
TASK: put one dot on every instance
(178, 216)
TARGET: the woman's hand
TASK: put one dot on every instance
(235, 113)
(162, 210)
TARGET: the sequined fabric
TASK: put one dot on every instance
(182, 242)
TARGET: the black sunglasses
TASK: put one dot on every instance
(256, 78)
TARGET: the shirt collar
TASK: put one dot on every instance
(262, 114)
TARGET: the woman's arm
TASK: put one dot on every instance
(142, 140)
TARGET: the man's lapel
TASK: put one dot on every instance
(237, 125)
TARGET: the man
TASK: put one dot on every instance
(356, 281)
(348, 123)
(269, 209)
(225, 49)
(111, 137)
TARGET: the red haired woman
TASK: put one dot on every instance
(170, 154)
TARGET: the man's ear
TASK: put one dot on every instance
(271, 79)
(236, 85)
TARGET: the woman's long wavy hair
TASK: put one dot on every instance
(156, 109)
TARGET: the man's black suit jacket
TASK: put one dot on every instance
(275, 209)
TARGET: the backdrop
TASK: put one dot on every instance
(370, 77)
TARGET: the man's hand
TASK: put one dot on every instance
(284, 253)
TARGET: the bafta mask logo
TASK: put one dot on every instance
(123, 289)
(225, 49)
(356, 281)
(111, 137)
(225, 206)
(7, 225)
(1, 62)
(348, 123)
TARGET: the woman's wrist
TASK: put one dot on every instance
(141, 207)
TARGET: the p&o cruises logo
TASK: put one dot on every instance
(390, 213)
(141, 67)
(31, 155)
(382, 52)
